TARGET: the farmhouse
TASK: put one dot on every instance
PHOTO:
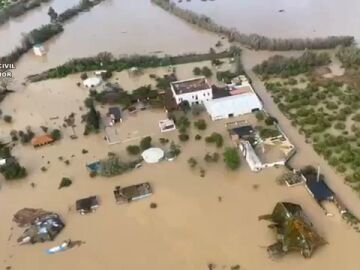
(193, 91)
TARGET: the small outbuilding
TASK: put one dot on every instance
(245, 132)
(45, 228)
(42, 140)
(39, 50)
(167, 125)
(132, 193)
(87, 205)
(153, 155)
(92, 82)
(115, 114)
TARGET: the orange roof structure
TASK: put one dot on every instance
(42, 140)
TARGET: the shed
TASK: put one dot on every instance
(318, 188)
(39, 50)
(115, 113)
(42, 229)
(42, 140)
(167, 125)
(92, 82)
(242, 132)
(233, 106)
(87, 205)
(132, 193)
(153, 155)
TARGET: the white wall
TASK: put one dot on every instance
(193, 97)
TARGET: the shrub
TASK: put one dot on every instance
(197, 71)
(65, 182)
(215, 138)
(270, 120)
(200, 124)
(56, 134)
(83, 76)
(43, 169)
(153, 205)
(206, 72)
(133, 149)
(145, 143)
(260, 115)
(202, 172)
(67, 162)
(197, 137)
(8, 118)
(192, 162)
(212, 157)
(13, 171)
(183, 137)
(84, 151)
(232, 158)
(339, 126)
(163, 140)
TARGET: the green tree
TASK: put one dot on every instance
(56, 134)
(232, 158)
(206, 72)
(200, 124)
(65, 182)
(12, 171)
(192, 162)
(133, 149)
(197, 71)
(145, 143)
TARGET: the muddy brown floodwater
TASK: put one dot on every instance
(305, 18)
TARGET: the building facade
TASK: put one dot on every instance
(194, 91)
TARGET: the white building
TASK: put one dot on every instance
(92, 82)
(39, 50)
(194, 91)
(240, 99)
(233, 105)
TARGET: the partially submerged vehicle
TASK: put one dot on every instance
(132, 193)
(42, 229)
(294, 231)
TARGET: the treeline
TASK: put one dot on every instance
(18, 8)
(349, 56)
(46, 32)
(254, 41)
(107, 61)
(291, 66)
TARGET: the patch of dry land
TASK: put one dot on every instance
(198, 221)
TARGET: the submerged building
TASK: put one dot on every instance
(132, 193)
(42, 229)
(293, 229)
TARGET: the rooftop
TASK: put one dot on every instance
(116, 112)
(132, 193)
(191, 85)
(87, 204)
(42, 139)
(318, 188)
(238, 90)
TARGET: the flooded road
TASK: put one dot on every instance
(283, 18)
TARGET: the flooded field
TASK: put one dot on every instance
(11, 32)
(279, 18)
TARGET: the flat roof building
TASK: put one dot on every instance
(193, 91)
